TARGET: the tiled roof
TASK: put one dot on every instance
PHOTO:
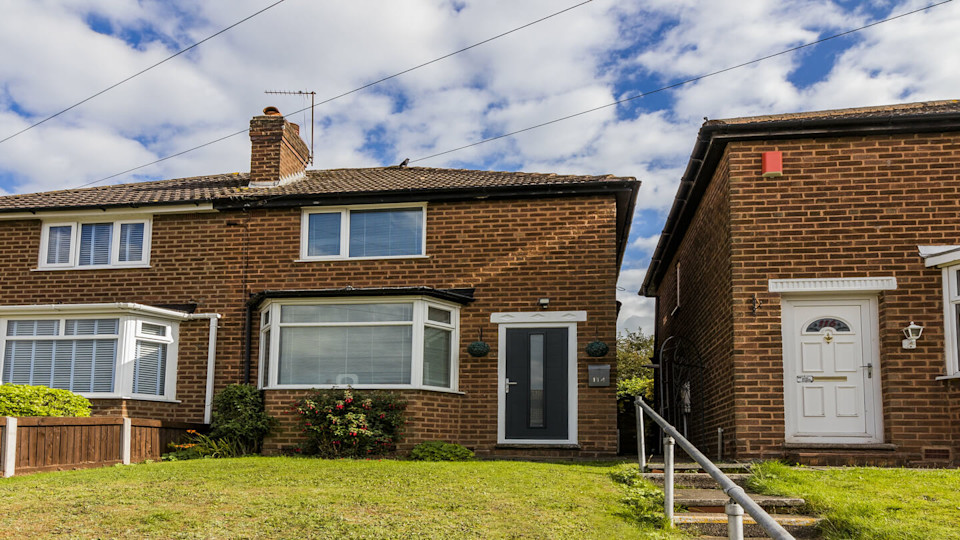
(324, 182)
(883, 111)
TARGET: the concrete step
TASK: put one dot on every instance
(713, 500)
(696, 480)
(716, 524)
(726, 467)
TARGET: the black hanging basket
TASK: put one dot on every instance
(478, 349)
(597, 349)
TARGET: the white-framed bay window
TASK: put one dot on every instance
(947, 259)
(94, 244)
(384, 231)
(369, 342)
(97, 354)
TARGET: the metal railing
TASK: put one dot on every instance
(739, 500)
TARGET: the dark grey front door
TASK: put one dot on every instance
(537, 385)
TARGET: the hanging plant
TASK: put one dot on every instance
(478, 348)
(597, 349)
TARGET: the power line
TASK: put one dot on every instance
(674, 85)
(328, 100)
(141, 72)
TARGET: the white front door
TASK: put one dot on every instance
(831, 370)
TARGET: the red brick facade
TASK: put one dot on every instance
(511, 251)
(846, 206)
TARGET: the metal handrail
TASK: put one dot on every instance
(739, 500)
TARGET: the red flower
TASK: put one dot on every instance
(382, 415)
(339, 406)
(349, 400)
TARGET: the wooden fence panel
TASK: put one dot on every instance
(48, 443)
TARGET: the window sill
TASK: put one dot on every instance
(362, 387)
(332, 259)
(948, 377)
(132, 398)
(72, 268)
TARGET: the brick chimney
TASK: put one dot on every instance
(277, 153)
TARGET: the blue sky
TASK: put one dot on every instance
(597, 53)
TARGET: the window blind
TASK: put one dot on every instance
(131, 242)
(58, 244)
(78, 365)
(150, 368)
(378, 233)
(95, 242)
(323, 234)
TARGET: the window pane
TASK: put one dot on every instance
(265, 356)
(438, 315)
(323, 234)
(76, 365)
(33, 328)
(377, 233)
(58, 244)
(436, 357)
(333, 313)
(345, 355)
(820, 324)
(148, 329)
(131, 242)
(95, 240)
(149, 368)
(91, 327)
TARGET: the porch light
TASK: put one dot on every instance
(912, 333)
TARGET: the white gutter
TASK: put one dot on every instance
(128, 307)
(211, 361)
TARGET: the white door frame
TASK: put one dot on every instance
(538, 319)
(870, 328)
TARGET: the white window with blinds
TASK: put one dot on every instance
(98, 355)
(95, 244)
(363, 232)
(409, 342)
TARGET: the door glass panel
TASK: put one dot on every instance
(820, 324)
(536, 380)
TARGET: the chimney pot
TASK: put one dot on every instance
(271, 111)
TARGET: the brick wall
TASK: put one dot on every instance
(703, 319)
(846, 207)
(513, 252)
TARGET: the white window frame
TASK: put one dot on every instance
(344, 212)
(951, 301)
(129, 332)
(268, 378)
(75, 226)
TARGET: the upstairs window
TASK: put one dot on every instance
(95, 245)
(363, 232)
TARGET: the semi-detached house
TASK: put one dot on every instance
(148, 298)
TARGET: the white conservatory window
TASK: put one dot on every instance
(408, 342)
(102, 355)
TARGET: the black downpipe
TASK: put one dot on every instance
(247, 342)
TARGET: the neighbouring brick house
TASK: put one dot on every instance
(148, 298)
(789, 294)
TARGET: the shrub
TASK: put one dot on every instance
(203, 446)
(644, 500)
(239, 417)
(440, 451)
(344, 423)
(24, 400)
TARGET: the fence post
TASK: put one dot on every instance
(10, 447)
(125, 441)
(641, 443)
(734, 520)
(668, 444)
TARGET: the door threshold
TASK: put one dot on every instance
(541, 446)
(839, 446)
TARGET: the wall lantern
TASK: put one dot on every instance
(913, 333)
(543, 302)
(771, 164)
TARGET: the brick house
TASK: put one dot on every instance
(784, 289)
(147, 298)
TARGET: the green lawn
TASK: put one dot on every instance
(311, 498)
(872, 503)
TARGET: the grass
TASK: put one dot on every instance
(872, 503)
(311, 498)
